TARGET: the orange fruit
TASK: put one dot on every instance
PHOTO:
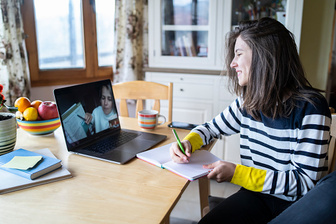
(30, 114)
(22, 103)
(36, 104)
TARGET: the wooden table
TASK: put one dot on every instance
(98, 192)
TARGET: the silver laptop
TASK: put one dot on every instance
(91, 126)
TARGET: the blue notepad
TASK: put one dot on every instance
(46, 165)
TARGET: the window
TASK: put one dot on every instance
(69, 41)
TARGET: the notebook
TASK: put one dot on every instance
(192, 170)
(101, 136)
(11, 182)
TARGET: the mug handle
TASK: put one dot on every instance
(162, 122)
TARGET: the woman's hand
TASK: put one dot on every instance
(221, 171)
(177, 155)
(88, 118)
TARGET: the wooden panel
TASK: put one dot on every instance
(91, 72)
(27, 10)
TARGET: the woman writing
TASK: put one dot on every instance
(282, 120)
(102, 115)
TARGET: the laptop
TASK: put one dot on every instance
(91, 126)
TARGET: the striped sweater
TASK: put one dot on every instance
(283, 157)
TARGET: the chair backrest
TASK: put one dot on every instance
(143, 90)
(332, 145)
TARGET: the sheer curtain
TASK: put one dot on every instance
(14, 72)
(131, 33)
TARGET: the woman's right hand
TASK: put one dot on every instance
(177, 155)
(88, 118)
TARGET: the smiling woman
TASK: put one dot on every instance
(242, 61)
(79, 46)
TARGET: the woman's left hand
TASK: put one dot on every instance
(221, 171)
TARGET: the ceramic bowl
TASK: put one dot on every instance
(43, 127)
(7, 133)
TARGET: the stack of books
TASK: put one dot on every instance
(22, 169)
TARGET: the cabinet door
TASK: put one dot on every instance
(288, 12)
(192, 112)
(183, 34)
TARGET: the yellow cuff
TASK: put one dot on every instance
(195, 141)
(249, 177)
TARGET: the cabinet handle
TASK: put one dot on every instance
(181, 90)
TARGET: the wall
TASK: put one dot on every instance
(316, 40)
(43, 93)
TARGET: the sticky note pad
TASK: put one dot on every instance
(23, 162)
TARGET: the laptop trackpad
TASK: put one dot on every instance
(118, 156)
(138, 145)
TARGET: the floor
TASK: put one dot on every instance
(187, 210)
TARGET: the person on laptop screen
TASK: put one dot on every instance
(102, 116)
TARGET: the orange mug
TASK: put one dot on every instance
(149, 119)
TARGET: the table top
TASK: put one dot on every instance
(99, 191)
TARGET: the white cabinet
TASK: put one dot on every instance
(190, 34)
(193, 95)
(185, 34)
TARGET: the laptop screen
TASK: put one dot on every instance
(87, 112)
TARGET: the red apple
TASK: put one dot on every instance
(48, 110)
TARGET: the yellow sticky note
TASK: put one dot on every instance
(23, 162)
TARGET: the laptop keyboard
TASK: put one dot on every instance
(109, 143)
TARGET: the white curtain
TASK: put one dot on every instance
(131, 45)
(14, 72)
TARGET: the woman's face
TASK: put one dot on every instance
(106, 100)
(242, 61)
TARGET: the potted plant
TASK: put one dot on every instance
(7, 126)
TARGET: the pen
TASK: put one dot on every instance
(82, 118)
(178, 141)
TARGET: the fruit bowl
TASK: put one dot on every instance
(42, 127)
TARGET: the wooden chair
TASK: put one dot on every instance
(143, 90)
(213, 201)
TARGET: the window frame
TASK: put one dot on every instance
(66, 76)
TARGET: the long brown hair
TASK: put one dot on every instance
(276, 73)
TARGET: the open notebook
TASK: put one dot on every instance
(193, 170)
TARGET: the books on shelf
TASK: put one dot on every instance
(193, 170)
(10, 182)
(19, 157)
(189, 45)
(186, 46)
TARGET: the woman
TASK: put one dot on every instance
(283, 123)
(103, 114)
